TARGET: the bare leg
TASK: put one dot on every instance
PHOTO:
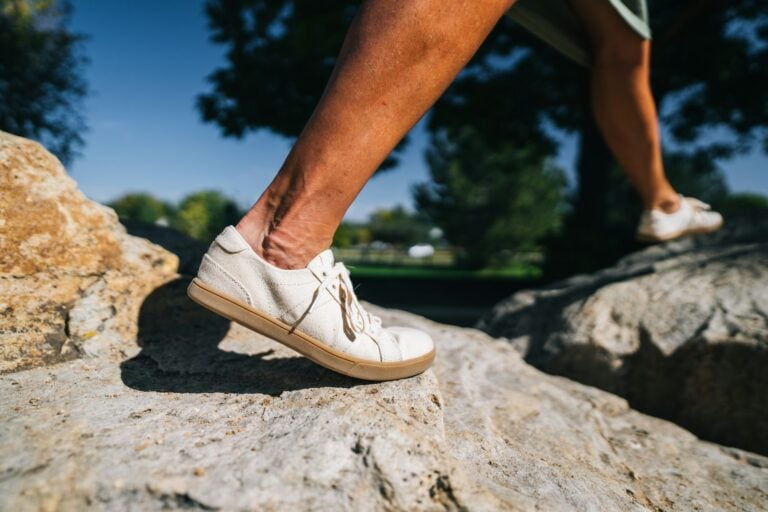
(398, 57)
(623, 103)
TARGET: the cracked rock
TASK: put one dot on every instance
(679, 329)
(71, 279)
(191, 412)
(214, 417)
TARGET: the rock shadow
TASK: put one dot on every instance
(717, 391)
(180, 353)
(188, 250)
(714, 388)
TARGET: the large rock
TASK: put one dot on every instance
(71, 280)
(200, 414)
(213, 417)
(680, 329)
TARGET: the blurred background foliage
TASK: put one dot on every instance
(201, 215)
(493, 132)
(493, 192)
(143, 207)
(483, 208)
(42, 75)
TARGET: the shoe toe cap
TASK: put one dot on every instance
(413, 343)
(715, 219)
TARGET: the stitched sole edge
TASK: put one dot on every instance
(302, 343)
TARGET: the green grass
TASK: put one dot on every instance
(515, 271)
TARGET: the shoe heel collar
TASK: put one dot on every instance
(231, 240)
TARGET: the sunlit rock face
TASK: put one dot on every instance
(679, 329)
(71, 279)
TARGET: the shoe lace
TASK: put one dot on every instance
(699, 210)
(355, 314)
(697, 204)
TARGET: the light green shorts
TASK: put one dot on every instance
(555, 22)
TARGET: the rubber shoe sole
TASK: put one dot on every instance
(649, 239)
(303, 343)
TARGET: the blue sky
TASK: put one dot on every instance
(149, 60)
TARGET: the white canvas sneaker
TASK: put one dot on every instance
(312, 310)
(693, 217)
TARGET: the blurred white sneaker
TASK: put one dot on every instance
(312, 310)
(693, 217)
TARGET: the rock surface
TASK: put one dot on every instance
(71, 280)
(210, 416)
(195, 413)
(680, 330)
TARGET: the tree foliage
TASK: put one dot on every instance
(743, 203)
(344, 237)
(709, 70)
(143, 207)
(280, 54)
(41, 82)
(397, 226)
(490, 202)
(201, 215)
(204, 214)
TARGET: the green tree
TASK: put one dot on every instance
(709, 77)
(742, 203)
(204, 214)
(489, 202)
(41, 75)
(362, 235)
(280, 53)
(580, 247)
(350, 234)
(397, 226)
(141, 206)
(344, 236)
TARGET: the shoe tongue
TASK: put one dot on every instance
(323, 262)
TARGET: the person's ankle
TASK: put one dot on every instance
(667, 203)
(670, 205)
(285, 251)
(278, 246)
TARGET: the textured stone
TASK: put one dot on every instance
(195, 413)
(71, 280)
(680, 330)
(211, 416)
